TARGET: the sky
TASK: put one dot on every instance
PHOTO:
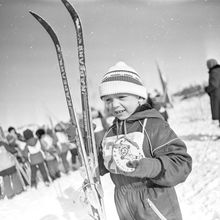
(180, 35)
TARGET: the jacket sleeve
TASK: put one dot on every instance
(172, 153)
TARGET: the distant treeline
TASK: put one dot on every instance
(190, 91)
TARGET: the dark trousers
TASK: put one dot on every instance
(65, 162)
(74, 154)
(11, 182)
(53, 168)
(42, 168)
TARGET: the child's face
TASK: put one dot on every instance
(121, 105)
(13, 132)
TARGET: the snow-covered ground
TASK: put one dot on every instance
(60, 201)
(199, 196)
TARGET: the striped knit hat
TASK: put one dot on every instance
(122, 79)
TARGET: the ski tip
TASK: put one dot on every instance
(33, 13)
(36, 16)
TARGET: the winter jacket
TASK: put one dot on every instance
(6, 159)
(156, 140)
(213, 90)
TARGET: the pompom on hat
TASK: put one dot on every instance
(121, 78)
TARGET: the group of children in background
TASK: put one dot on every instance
(41, 155)
(44, 151)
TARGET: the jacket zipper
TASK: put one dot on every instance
(155, 209)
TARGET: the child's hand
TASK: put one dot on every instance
(145, 167)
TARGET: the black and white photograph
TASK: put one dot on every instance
(109, 109)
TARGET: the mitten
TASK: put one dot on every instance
(145, 167)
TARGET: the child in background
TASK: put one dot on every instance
(34, 154)
(16, 151)
(19, 138)
(12, 183)
(63, 146)
(144, 156)
(50, 153)
(13, 148)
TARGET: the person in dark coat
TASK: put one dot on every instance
(213, 88)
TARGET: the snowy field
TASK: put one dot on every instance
(199, 196)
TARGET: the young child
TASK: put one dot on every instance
(63, 146)
(34, 154)
(12, 183)
(144, 156)
(50, 153)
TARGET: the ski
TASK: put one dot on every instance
(166, 98)
(86, 110)
(87, 123)
(92, 194)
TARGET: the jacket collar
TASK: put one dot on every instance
(214, 67)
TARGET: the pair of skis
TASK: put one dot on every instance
(87, 147)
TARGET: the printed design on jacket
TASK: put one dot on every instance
(119, 149)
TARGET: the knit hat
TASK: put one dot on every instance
(40, 132)
(121, 78)
(28, 134)
(211, 63)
